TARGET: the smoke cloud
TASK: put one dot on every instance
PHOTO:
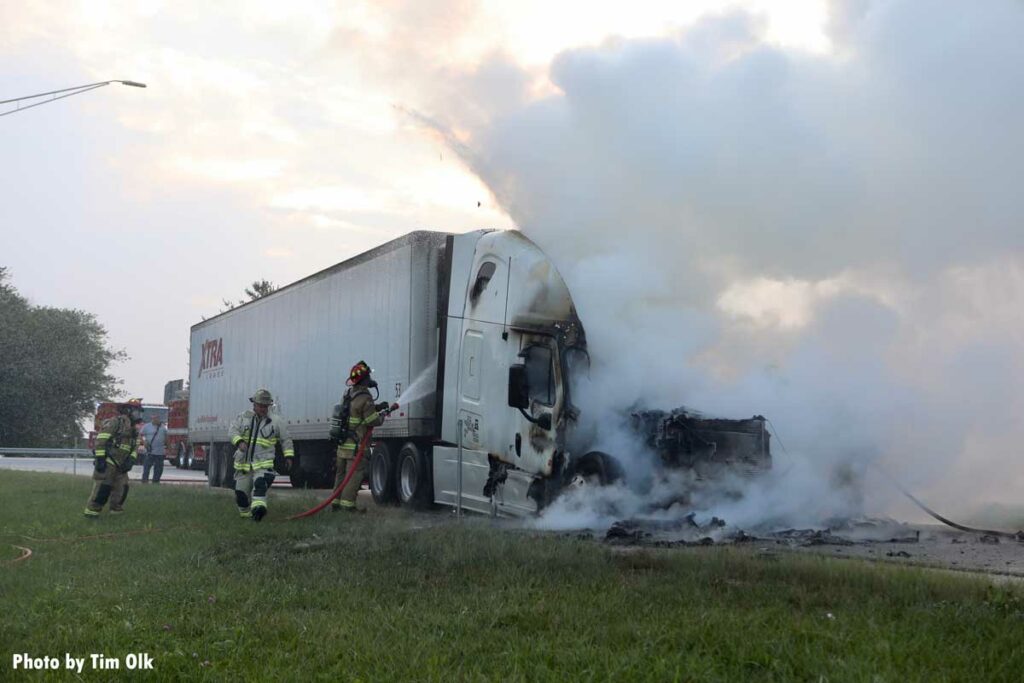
(832, 240)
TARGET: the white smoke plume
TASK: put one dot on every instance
(832, 240)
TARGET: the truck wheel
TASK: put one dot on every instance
(415, 480)
(297, 477)
(599, 468)
(382, 475)
(181, 462)
(213, 469)
(227, 476)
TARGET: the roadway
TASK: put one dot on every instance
(83, 467)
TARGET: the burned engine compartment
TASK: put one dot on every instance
(685, 439)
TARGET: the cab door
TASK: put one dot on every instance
(537, 410)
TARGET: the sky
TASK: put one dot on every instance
(805, 209)
(273, 140)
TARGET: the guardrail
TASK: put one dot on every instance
(74, 453)
(47, 452)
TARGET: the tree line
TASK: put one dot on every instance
(54, 367)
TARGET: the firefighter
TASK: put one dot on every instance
(255, 435)
(362, 414)
(116, 450)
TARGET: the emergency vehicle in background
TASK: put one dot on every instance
(108, 409)
(180, 452)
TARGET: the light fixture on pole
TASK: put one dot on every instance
(61, 94)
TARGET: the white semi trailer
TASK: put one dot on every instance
(485, 316)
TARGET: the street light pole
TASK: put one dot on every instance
(61, 94)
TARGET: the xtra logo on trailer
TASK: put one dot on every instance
(213, 358)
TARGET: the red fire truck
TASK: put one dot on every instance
(179, 452)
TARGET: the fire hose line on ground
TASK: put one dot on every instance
(337, 491)
(1018, 536)
(25, 554)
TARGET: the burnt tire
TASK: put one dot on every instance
(414, 478)
(382, 475)
(600, 466)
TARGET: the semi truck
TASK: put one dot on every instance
(483, 318)
(474, 335)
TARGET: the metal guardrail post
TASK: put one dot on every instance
(458, 476)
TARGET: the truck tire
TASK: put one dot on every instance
(227, 472)
(297, 477)
(213, 469)
(382, 475)
(415, 478)
(600, 467)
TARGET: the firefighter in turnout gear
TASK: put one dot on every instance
(255, 435)
(362, 416)
(116, 449)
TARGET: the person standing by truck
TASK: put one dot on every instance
(116, 447)
(154, 440)
(360, 415)
(255, 435)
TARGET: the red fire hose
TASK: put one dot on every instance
(337, 492)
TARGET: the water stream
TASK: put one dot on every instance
(424, 385)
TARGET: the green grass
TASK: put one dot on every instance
(387, 596)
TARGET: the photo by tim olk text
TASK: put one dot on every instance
(95, 662)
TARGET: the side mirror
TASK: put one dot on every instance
(518, 389)
(544, 421)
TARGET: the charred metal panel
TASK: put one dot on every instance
(684, 439)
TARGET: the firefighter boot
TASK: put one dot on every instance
(242, 501)
(259, 510)
(100, 494)
(260, 486)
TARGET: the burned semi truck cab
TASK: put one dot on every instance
(503, 392)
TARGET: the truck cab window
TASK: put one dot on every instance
(540, 375)
(483, 276)
(576, 366)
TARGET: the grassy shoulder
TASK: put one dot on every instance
(388, 596)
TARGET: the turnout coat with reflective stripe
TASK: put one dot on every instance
(262, 434)
(117, 440)
(362, 414)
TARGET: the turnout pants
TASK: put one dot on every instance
(156, 462)
(110, 486)
(251, 490)
(347, 499)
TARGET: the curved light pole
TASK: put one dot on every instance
(67, 92)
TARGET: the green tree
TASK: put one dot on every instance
(257, 290)
(54, 367)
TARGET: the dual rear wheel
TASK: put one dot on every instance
(403, 478)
